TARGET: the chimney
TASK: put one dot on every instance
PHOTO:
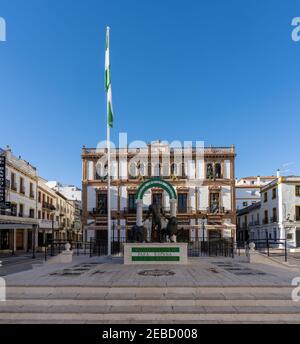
(258, 180)
(278, 173)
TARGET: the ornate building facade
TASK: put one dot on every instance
(204, 182)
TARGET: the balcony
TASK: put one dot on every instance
(217, 210)
(297, 218)
(273, 219)
(48, 206)
(265, 221)
(48, 224)
(97, 211)
(13, 186)
(31, 194)
(22, 189)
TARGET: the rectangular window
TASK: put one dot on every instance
(214, 203)
(266, 218)
(101, 203)
(13, 182)
(297, 213)
(31, 213)
(266, 197)
(21, 210)
(274, 218)
(297, 190)
(22, 186)
(245, 204)
(39, 214)
(131, 203)
(31, 191)
(182, 202)
(39, 197)
(13, 208)
(273, 193)
(157, 198)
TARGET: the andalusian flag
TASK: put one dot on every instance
(110, 115)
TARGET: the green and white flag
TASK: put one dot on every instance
(110, 115)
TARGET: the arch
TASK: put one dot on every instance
(155, 182)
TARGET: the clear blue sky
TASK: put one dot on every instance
(220, 71)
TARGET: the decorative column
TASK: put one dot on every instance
(173, 207)
(139, 212)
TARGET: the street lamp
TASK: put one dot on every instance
(33, 240)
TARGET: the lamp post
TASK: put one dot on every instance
(203, 233)
(33, 240)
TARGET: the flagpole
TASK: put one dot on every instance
(108, 173)
(108, 194)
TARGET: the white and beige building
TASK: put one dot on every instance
(276, 216)
(18, 220)
(248, 190)
(34, 213)
(204, 186)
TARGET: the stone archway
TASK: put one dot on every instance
(148, 184)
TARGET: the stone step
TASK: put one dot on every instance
(189, 295)
(203, 290)
(149, 297)
(180, 318)
(10, 304)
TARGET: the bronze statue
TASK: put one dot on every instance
(137, 234)
(171, 230)
(155, 211)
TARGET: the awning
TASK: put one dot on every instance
(15, 226)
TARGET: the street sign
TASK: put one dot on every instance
(6, 205)
(2, 180)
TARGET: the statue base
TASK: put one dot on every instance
(155, 253)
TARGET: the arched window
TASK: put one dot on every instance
(142, 169)
(157, 170)
(218, 172)
(174, 170)
(166, 169)
(132, 170)
(209, 171)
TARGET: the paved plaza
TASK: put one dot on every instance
(102, 290)
(104, 272)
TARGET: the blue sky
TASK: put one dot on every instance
(220, 71)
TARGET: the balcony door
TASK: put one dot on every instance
(182, 203)
(102, 203)
(131, 203)
(157, 198)
(214, 202)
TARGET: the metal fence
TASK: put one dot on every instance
(196, 248)
(270, 247)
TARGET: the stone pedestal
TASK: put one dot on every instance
(155, 253)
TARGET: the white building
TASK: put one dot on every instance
(31, 213)
(248, 190)
(18, 220)
(278, 214)
(202, 190)
(73, 194)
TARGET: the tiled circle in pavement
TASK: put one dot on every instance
(156, 272)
